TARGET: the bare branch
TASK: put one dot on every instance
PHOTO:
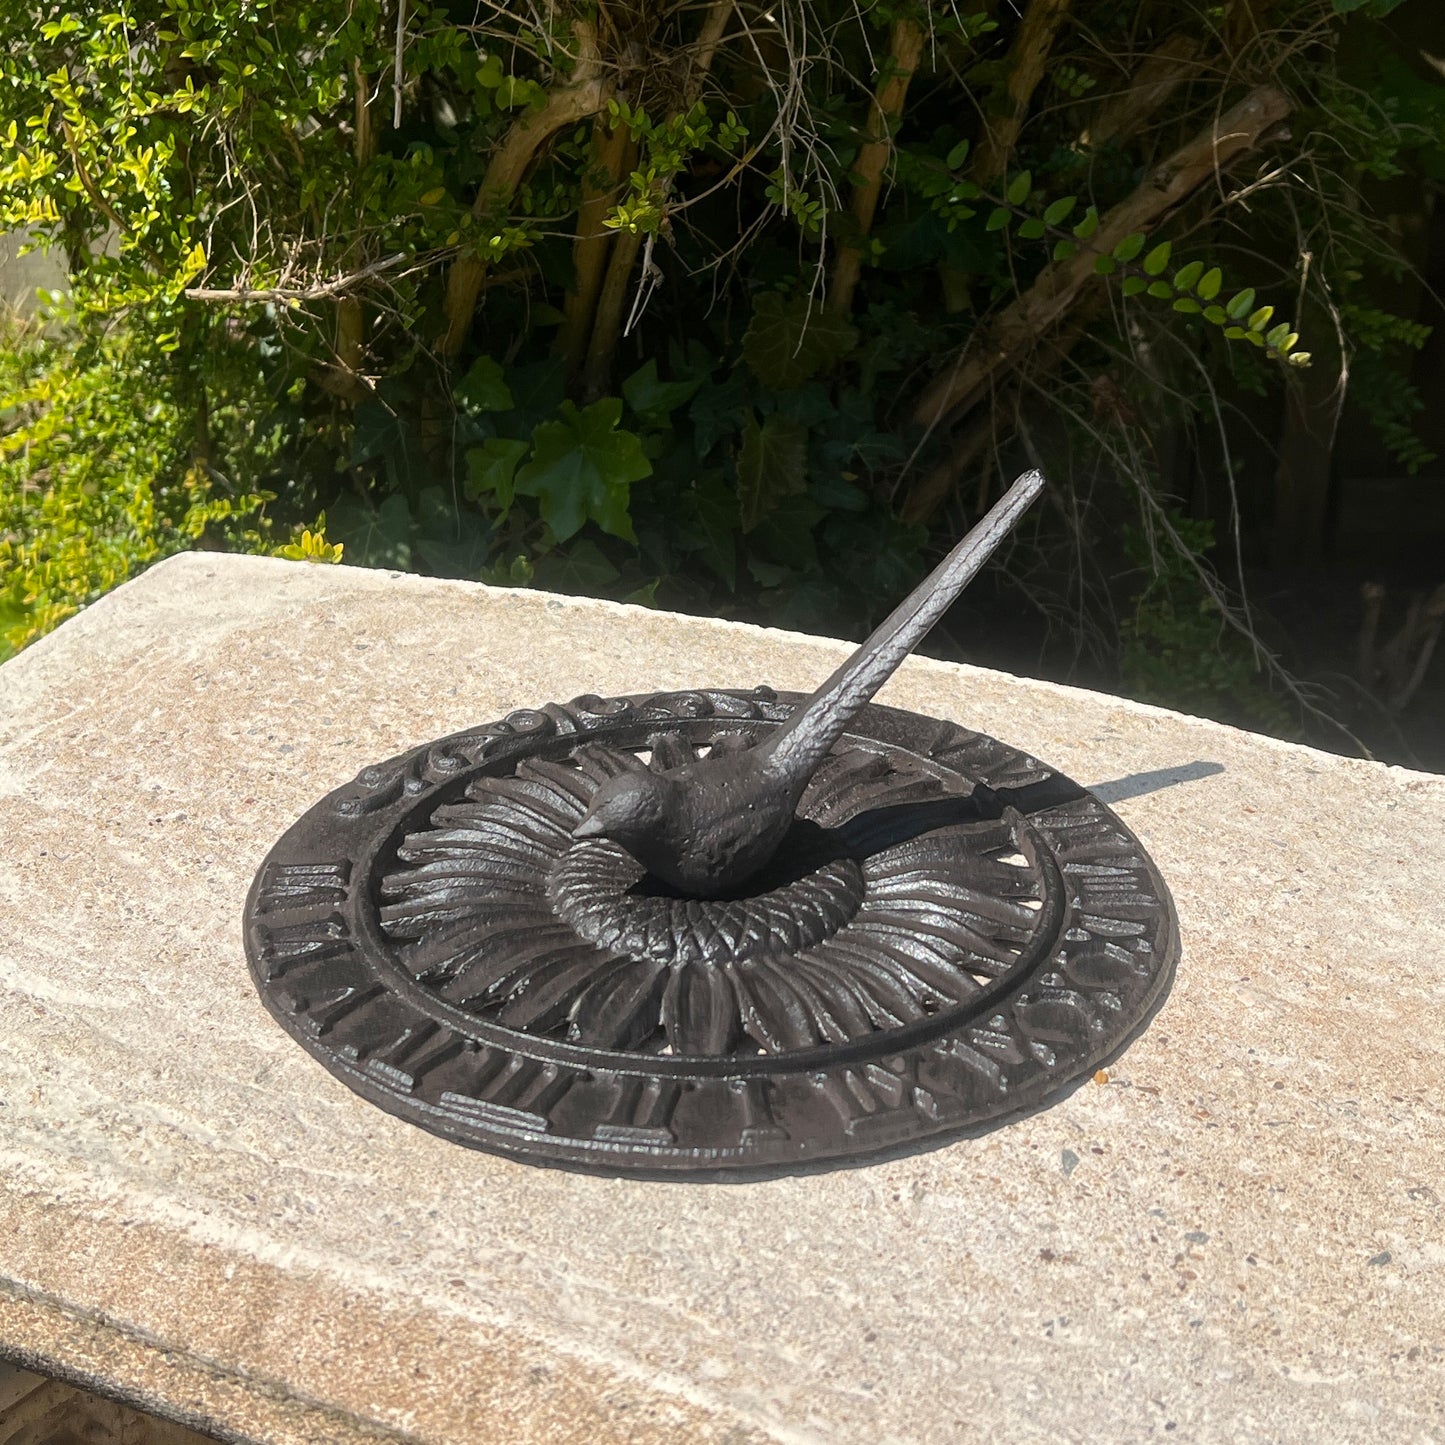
(1023, 69)
(905, 50)
(1124, 115)
(287, 294)
(583, 97)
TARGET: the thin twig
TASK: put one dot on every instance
(318, 292)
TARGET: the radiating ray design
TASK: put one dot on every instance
(890, 915)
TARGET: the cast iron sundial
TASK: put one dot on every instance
(715, 930)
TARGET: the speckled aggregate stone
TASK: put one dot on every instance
(1238, 1235)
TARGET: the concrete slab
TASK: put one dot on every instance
(1238, 1236)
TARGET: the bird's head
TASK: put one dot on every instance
(630, 809)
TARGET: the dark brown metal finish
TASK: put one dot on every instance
(949, 934)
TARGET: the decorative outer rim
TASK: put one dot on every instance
(1104, 951)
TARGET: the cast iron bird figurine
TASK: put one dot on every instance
(709, 825)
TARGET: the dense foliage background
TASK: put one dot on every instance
(749, 308)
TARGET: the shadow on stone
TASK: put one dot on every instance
(1136, 785)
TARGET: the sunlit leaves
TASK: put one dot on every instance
(1129, 248)
(1241, 305)
(1057, 213)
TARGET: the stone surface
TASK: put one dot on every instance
(1237, 1235)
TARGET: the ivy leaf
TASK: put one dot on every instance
(998, 218)
(1185, 278)
(653, 400)
(792, 338)
(771, 464)
(580, 569)
(483, 388)
(1129, 247)
(717, 411)
(1208, 288)
(1019, 188)
(582, 468)
(1240, 306)
(786, 534)
(491, 468)
(1058, 213)
(1032, 229)
(710, 509)
(372, 536)
(453, 541)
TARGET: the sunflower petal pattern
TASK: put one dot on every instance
(904, 900)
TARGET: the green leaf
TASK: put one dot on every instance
(1064, 249)
(1133, 285)
(710, 527)
(1031, 229)
(581, 570)
(1276, 335)
(655, 400)
(371, 536)
(772, 463)
(1158, 259)
(1299, 358)
(1236, 333)
(792, 338)
(1217, 314)
(1129, 247)
(1240, 306)
(1188, 305)
(452, 541)
(1105, 265)
(1208, 288)
(957, 155)
(1258, 320)
(1058, 213)
(998, 218)
(1185, 278)
(646, 595)
(1162, 290)
(1019, 188)
(582, 468)
(491, 468)
(483, 388)
(1088, 225)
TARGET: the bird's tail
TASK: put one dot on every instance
(801, 744)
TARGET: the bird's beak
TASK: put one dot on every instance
(589, 827)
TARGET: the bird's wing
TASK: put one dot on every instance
(801, 744)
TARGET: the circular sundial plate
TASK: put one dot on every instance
(952, 933)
